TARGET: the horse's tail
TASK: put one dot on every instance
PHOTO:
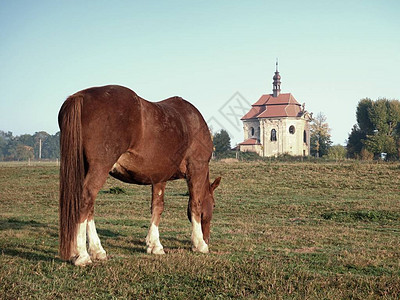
(72, 172)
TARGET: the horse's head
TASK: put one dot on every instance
(208, 208)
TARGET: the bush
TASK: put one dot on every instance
(337, 152)
(366, 155)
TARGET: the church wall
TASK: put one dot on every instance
(251, 148)
(286, 142)
(247, 125)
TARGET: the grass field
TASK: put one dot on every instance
(280, 231)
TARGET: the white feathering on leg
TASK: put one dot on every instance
(82, 258)
(153, 241)
(197, 237)
(96, 251)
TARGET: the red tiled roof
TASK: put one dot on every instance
(250, 141)
(269, 99)
(285, 105)
(254, 112)
(280, 111)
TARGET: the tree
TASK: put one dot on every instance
(10, 152)
(355, 142)
(381, 143)
(51, 146)
(363, 112)
(377, 129)
(3, 144)
(222, 142)
(24, 152)
(320, 137)
(26, 139)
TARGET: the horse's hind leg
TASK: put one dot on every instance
(80, 255)
(157, 207)
(96, 251)
(94, 180)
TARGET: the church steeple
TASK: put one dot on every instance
(277, 82)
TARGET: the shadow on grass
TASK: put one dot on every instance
(171, 245)
(108, 233)
(178, 243)
(31, 255)
(135, 246)
(19, 224)
(14, 223)
(185, 194)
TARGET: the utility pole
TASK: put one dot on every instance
(40, 149)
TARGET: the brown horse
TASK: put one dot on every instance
(111, 130)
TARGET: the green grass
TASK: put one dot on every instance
(280, 231)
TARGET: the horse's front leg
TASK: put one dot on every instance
(157, 207)
(197, 183)
(199, 245)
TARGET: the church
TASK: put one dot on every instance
(277, 124)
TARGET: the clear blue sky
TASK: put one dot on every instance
(331, 54)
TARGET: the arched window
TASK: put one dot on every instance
(305, 137)
(252, 131)
(292, 130)
(273, 135)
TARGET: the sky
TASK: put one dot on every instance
(220, 55)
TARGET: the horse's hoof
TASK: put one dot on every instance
(158, 251)
(101, 255)
(82, 260)
(155, 250)
(202, 248)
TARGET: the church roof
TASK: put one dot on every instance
(269, 99)
(251, 141)
(254, 112)
(268, 106)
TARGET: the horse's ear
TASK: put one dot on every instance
(215, 184)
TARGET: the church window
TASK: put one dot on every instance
(252, 131)
(305, 137)
(292, 130)
(273, 135)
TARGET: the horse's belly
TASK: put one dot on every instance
(120, 172)
(129, 168)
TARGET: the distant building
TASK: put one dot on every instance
(277, 124)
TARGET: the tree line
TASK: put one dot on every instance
(40, 145)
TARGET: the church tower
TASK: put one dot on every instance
(277, 82)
